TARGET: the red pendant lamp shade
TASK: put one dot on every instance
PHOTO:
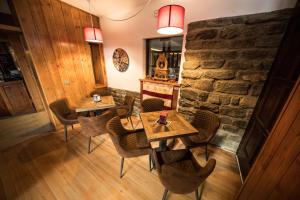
(170, 19)
(92, 35)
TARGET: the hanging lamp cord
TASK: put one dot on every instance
(89, 1)
(135, 14)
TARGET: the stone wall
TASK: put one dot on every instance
(227, 62)
(119, 97)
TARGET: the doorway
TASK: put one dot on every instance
(14, 96)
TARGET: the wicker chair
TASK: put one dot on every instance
(179, 171)
(93, 126)
(152, 105)
(128, 144)
(65, 115)
(125, 110)
(207, 124)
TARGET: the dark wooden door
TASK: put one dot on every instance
(16, 97)
(283, 75)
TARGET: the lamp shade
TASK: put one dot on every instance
(170, 19)
(92, 35)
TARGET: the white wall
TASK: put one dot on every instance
(130, 34)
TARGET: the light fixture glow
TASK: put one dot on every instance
(170, 19)
(92, 35)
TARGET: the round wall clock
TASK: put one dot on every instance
(120, 60)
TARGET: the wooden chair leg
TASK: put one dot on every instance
(197, 194)
(89, 144)
(150, 167)
(66, 133)
(206, 153)
(122, 164)
(165, 194)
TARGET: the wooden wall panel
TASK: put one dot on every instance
(53, 31)
(275, 173)
(34, 39)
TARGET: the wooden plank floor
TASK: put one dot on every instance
(19, 128)
(46, 167)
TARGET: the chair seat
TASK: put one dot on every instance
(72, 117)
(200, 137)
(135, 141)
(197, 139)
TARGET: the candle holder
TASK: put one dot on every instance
(163, 118)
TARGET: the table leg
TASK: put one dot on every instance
(162, 146)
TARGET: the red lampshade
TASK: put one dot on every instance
(170, 19)
(92, 35)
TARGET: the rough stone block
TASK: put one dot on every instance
(240, 123)
(230, 32)
(232, 87)
(253, 76)
(215, 44)
(256, 89)
(207, 106)
(202, 34)
(230, 128)
(193, 74)
(264, 64)
(248, 102)
(222, 54)
(219, 22)
(185, 102)
(267, 17)
(235, 101)
(242, 43)
(194, 44)
(249, 114)
(212, 64)
(225, 120)
(214, 99)
(193, 94)
(203, 84)
(254, 54)
(232, 111)
(275, 28)
(187, 82)
(219, 99)
(186, 110)
(268, 41)
(210, 55)
(219, 74)
(196, 25)
(238, 64)
(191, 65)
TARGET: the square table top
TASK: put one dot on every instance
(177, 126)
(87, 104)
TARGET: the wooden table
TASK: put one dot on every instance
(87, 104)
(177, 127)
